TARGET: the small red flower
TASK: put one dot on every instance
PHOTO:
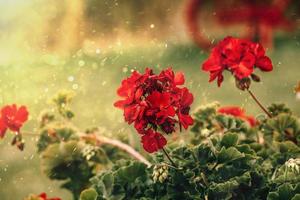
(238, 56)
(43, 196)
(155, 102)
(14, 117)
(239, 113)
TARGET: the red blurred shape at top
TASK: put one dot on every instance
(261, 17)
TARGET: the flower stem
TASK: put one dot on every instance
(259, 104)
(269, 114)
(169, 158)
(105, 140)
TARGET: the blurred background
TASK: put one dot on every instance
(90, 46)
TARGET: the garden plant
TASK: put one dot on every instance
(215, 152)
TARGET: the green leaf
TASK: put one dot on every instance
(88, 194)
(245, 148)
(296, 197)
(131, 172)
(223, 190)
(229, 139)
(203, 154)
(229, 155)
(108, 181)
(287, 146)
(285, 192)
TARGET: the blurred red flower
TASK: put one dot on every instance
(239, 56)
(43, 196)
(239, 113)
(155, 102)
(12, 118)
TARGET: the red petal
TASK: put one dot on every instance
(264, 63)
(187, 98)
(22, 114)
(3, 128)
(153, 141)
(179, 78)
(185, 120)
(231, 110)
(43, 195)
(122, 103)
(220, 79)
(251, 120)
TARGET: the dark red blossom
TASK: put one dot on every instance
(239, 113)
(239, 56)
(155, 102)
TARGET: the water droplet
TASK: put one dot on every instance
(75, 86)
(81, 63)
(71, 78)
(98, 51)
(125, 69)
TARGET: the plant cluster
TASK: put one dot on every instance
(228, 154)
(229, 163)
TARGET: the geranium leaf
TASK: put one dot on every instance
(88, 194)
(229, 155)
(229, 139)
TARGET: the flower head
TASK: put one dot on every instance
(155, 102)
(239, 56)
(238, 112)
(12, 118)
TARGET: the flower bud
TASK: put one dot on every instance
(160, 173)
(255, 78)
(243, 84)
(89, 151)
(293, 164)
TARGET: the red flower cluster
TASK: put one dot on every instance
(239, 56)
(239, 113)
(43, 196)
(12, 118)
(155, 102)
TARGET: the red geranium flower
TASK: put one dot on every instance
(239, 56)
(43, 196)
(12, 118)
(237, 112)
(155, 102)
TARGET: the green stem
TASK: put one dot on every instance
(169, 158)
(259, 104)
(267, 112)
